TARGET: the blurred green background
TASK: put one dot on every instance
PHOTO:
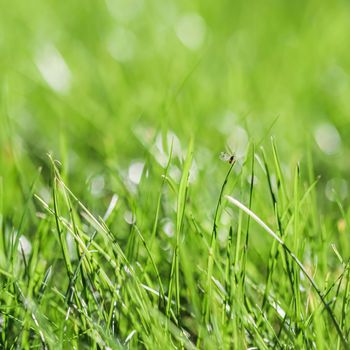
(106, 86)
(91, 81)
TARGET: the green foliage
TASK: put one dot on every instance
(120, 227)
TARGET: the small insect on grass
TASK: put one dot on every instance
(228, 157)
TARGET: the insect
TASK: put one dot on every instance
(228, 157)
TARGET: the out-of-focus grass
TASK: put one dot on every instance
(108, 88)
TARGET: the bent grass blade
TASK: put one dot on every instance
(241, 206)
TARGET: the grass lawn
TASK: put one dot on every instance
(174, 174)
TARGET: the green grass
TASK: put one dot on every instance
(120, 227)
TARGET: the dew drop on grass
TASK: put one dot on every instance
(53, 68)
(328, 139)
(191, 30)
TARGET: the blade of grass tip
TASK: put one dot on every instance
(346, 301)
(211, 256)
(17, 234)
(228, 286)
(238, 249)
(307, 194)
(61, 237)
(171, 183)
(298, 307)
(164, 177)
(313, 197)
(181, 204)
(274, 251)
(296, 208)
(137, 289)
(71, 290)
(98, 224)
(131, 247)
(268, 177)
(343, 237)
(162, 293)
(251, 188)
(26, 273)
(272, 262)
(32, 311)
(44, 284)
(338, 282)
(279, 173)
(241, 206)
(103, 276)
(64, 155)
